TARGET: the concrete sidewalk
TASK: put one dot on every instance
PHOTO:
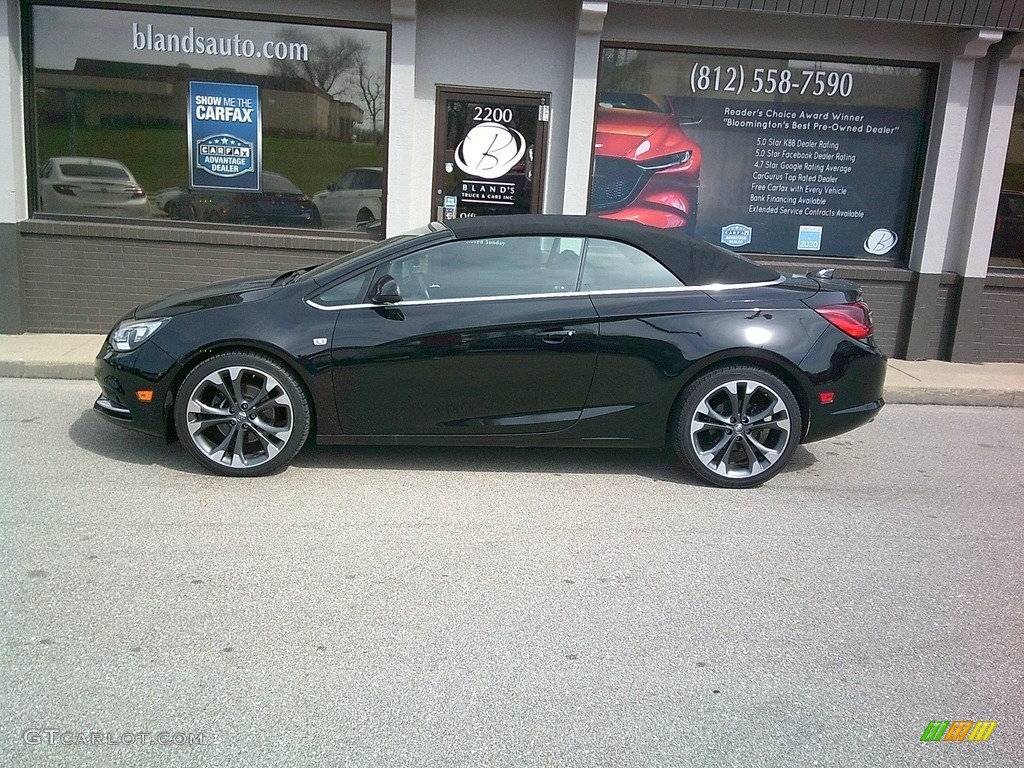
(70, 356)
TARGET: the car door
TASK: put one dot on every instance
(330, 203)
(490, 337)
(652, 328)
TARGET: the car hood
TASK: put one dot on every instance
(208, 296)
(637, 135)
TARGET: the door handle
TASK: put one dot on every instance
(556, 337)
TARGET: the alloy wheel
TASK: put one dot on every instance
(239, 416)
(740, 429)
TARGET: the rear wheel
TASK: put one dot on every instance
(736, 427)
(241, 414)
(365, 218)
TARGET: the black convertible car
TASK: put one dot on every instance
(517, 330)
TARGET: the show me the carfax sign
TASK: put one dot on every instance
(224, 136)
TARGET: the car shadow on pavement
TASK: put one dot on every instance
(653, 463)
(91, 433)
(112, 442)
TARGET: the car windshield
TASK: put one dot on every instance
(89, 171)
(639, 101)
(370, 249)
(277, 184)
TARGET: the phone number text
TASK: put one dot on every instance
(735, 78)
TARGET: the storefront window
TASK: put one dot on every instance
(764, 155)
(163, 116)
(1008, 237)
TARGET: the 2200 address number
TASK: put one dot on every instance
(735, 79)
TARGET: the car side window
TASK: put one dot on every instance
(363, 180)
(609, 265)
(501, 266)
(349, 291)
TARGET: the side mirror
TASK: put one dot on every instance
(386, 291)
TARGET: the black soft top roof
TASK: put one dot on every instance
(693, 261)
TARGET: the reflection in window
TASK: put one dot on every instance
(350, 291)
(506, 266)
(1008, 234)
(612, 266)
(111, 104)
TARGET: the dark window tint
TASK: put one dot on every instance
(610, 265)
(1015, 205)
(370, 180)
(505, 266)
(350, 291)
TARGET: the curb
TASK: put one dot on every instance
(950, 396)
(21, 369)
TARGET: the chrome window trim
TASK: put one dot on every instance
(713, 287)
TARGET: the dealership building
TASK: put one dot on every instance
(153, 147)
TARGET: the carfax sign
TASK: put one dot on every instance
(224, 147)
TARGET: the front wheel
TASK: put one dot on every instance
(736, 427)
(241, 414)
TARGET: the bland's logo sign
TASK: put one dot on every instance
(880, 242)
(490, 150)
(735, 235)
(224, 135)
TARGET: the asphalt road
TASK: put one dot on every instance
(430, 607)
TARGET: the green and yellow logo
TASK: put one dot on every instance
(959, 730)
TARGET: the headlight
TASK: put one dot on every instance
(131, 333)
(666, 161)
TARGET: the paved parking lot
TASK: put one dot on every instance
(480, 607)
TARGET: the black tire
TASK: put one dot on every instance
(241, 414)
(736, 427)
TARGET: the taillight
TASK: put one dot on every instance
(64, 189)
(136, 192)
(853, 319)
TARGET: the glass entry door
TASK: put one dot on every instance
(489, 158)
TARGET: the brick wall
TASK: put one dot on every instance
(81, 277)
(1001, 321)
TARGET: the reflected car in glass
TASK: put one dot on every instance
(1008, 237)
(504, 331)
(90, 186)
(646, 167)
(278, 203)
(353, 200)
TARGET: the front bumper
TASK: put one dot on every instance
(121, 375)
